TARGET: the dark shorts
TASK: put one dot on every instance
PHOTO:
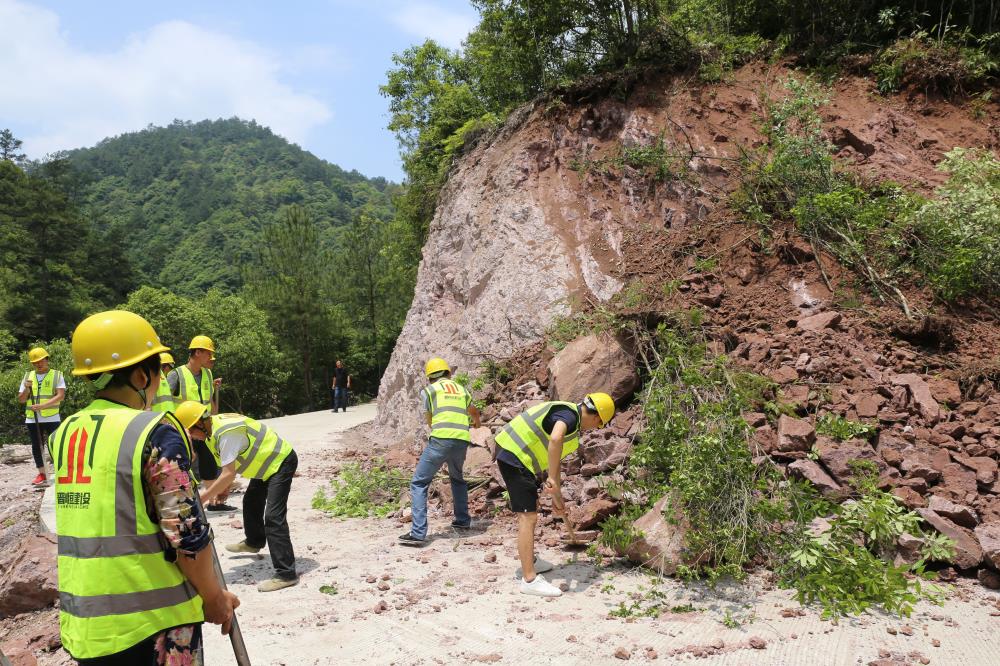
(522, 487)
(205, 468)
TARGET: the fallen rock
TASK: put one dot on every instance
(989, 579)
(795, 434)
(28, 578)
(945, 390)
(985, 468)
(593, 363)
(757, 643)
(837, 457)
(820, 321)
(921, 394)
(661, 546)
(600, 457)
(968, 553)
(623, 653)
(957, 513)
(490, 557)
(592, 512)
(988, 536)
(816, 475)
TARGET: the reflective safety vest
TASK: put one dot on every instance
(43, 392)
(525, 438)
(264, 453)
(164, 401)
(189, 389)
(449, 407)
(116, 587)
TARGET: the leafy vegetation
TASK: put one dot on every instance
(841, 429)
(360, 492)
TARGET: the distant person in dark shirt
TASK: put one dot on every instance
(341, 385)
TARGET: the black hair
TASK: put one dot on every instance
(121, 376)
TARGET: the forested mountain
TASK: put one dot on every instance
(190, 200)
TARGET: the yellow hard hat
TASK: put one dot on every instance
(37, 354)
(436, 365)
(202, 342)
(603, 404)
(190, 412)
(111, 340)
(166, 358)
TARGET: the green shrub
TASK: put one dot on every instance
(933, 66)
(841, 429)
(360, 492)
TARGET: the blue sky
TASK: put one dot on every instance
(72, 73)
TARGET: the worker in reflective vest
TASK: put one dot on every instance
(41, 392)
(529, 449)
(136, 577)
(164, 401)
(244, 446)
(449, 412)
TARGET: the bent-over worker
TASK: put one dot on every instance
(244, 446)
(136, 575)
(532, 446)
(449, 411)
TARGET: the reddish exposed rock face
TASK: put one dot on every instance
(29, 579)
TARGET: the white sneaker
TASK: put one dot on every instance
(540, 587)
(541, 566)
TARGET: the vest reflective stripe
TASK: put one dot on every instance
(129, 602)
(40, 394)
(189, 389)
(262, 458)
(164, 401)
(116, 587)
(527, 440)
(113, 546)
(449, 403)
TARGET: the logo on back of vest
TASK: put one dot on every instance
(76, 458)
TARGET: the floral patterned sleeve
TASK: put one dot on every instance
(171, 492)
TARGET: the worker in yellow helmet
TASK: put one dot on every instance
(529, 449)
(164, 401)
(245, 446)
(41, 392)
(136, 576)
(194, 381)
(449, 412)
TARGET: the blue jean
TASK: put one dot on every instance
(437, 453)
(339, 398)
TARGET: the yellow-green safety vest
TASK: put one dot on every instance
(116, 587)
(525, 438)
(43, 392)
(189, 389)
(449, 407)
(164, 401)
(265, 452)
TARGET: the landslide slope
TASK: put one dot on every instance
(544, 219)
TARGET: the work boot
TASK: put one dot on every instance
(40, 480)
(409, 540)
(242, 547)
(540, 587)
(275, 584)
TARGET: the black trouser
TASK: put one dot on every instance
(265, 516)
(206, 469)
(39, 433)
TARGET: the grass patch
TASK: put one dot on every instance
(933, 66)
(361, 492)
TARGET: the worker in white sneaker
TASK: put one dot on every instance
(136, 575)
(449, 412)
(531, 447)
(244, 446)
(41, 392)
(164, 401)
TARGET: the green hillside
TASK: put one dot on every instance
(191, 199)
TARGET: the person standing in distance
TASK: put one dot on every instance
(40, 392)
(136, 575)
(341, 385)
(449, 412)
(164, 402)
(529, 448)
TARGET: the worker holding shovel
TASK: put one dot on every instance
(41, 392)
(242, 445)
(136, 563)
(531, 447)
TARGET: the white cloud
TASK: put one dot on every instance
(425, 20)
(66, 97)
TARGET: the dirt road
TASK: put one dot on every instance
(446, 603)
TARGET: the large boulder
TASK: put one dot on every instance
(592, 363)
(28, 578)
(661, 544)
(968, 553)
(988, 535)
(817, 476)
(795, 434)
(837, 457)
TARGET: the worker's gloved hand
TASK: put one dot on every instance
(219, 609)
